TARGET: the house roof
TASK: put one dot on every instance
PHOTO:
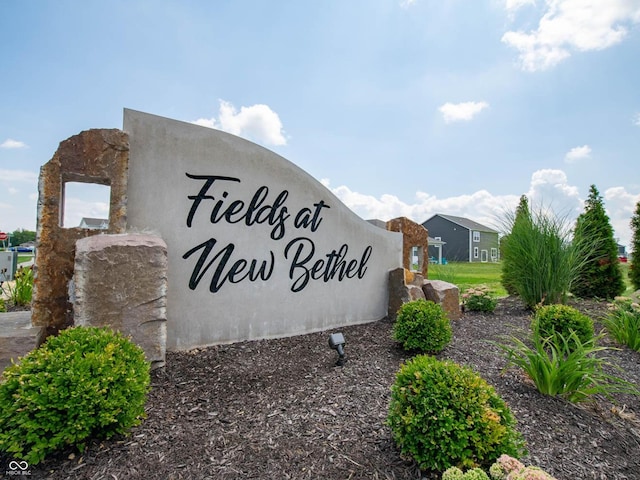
(464, 222)
(434, 242)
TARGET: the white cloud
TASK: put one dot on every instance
(577, 153)
(257, 122)
(620, 206)
(453, 112)
(10, 176)
(572, 25)
(548, 189)
(11, 144)
(512, 5)
(636, 119)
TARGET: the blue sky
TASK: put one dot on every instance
(400, 107)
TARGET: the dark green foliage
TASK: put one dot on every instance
(86, 382)
(600, 275)
(509, 270)
(634, 268)
(21, 236)
(422, 325)
(443, 414)
(553, 319)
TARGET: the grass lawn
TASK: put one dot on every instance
(466, 275)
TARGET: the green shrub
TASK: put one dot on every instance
(507, 468)
(623, 323)
(422, 325)
(454, 473)
(553, 319)
(3, 307)
(86, 382)
(504, 466)
(531, 473)
(566, 366)
(443, 414)
(479, 299)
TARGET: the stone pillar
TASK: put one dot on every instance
(446, 294)
(413, 235)
(120, 281)
(98, 156)
(404, 286)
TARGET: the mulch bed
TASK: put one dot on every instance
(280, 409)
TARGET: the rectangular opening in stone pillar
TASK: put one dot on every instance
(85, 204)
(417, 258)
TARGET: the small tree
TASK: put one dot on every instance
(634, 268)
(600, 274)
(20, 236)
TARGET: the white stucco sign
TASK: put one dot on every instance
(257, 247)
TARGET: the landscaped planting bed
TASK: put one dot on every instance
(280, 409)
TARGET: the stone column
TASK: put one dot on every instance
(98, 156)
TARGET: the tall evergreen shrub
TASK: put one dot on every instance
(634, 268)
(599, 275)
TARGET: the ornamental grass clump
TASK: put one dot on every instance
(21, 292)
(566, 366)
(540, 262)
(86, 382)
(623, 322)
(479, 299)
(551, 320)
(422, 325)
(442, 415)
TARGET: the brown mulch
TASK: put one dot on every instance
(280, 409)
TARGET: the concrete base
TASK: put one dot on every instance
(17, 336)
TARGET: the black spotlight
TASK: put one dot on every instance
(336, 341)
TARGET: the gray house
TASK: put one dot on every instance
(466, 240)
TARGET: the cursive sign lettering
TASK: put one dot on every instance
(224, 264)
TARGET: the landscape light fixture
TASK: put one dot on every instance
(336, 341)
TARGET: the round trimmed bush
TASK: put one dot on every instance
(454, 473)
(563, 319)
(422, 325)
(86, 382)
(442, 414)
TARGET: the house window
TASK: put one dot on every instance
(476, 236)
(475, 252)
(494, 254)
